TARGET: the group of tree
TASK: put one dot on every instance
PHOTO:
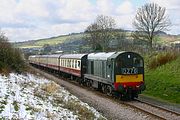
(149, 20)
(101, 32)
(10, 57)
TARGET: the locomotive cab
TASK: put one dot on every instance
(129, 74)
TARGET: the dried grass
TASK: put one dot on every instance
(83, 112)
(50, 87)
(161, 59)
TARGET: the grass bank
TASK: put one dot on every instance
(163, 82)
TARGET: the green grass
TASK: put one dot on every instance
(164, 82)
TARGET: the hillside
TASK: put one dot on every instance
(76, 43)
(164, 82)
(51, 41)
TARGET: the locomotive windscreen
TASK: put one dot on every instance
(129, 64)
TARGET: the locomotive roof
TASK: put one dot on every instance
(122, 52)
(103, 55)
(100, 56)
(73, 56)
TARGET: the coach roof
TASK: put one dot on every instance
(73, 56)
(54, 56)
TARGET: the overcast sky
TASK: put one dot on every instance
(23, 20)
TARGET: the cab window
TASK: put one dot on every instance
(137, 62)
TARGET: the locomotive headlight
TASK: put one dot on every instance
(129, 56)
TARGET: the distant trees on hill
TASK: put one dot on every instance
(102, 32)
(10, 57)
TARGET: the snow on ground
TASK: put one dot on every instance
(32, 97)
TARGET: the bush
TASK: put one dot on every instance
(10, 57)
(161, 59)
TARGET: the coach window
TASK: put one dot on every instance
(79, 64)
(72, 63)
(75, 63)
(65, 62)
(69, 63)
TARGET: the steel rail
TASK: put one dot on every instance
(160, 107)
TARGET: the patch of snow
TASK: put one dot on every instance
(23, 97)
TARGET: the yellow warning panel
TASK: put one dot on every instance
(129, 78)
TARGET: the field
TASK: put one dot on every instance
(51, 41)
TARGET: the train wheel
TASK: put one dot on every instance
(134, 95)
(129, 94)
(109, 90)
(89, 83)
(121, 97)
(103, 88)
(72, 77)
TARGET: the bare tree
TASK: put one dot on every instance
(93, 36)
(100, 32)
(106, 26)
(150, 19)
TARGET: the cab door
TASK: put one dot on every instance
(110, 72)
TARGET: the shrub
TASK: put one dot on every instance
(10, 57)
(161, 59)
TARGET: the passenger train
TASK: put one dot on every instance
(114, 73)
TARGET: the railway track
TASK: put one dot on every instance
(154, 110)
(157, 106)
